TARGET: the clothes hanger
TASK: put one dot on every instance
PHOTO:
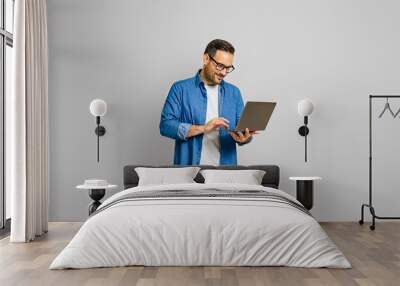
(397, 113)
(387, 107)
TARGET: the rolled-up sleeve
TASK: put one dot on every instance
(183, 130)
(170, 125)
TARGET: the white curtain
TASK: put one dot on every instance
(27, 127)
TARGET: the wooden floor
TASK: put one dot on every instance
(375, 257)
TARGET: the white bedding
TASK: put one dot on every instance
(200, 231)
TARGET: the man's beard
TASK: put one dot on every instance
(209, 75)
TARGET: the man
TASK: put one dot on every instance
(199, 111)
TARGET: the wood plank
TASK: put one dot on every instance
(375, 257)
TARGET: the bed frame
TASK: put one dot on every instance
(270, 179)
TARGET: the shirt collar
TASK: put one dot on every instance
(198, 79)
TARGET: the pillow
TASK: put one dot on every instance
(250, 177)
(162, 176)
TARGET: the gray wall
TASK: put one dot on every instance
(129, 53)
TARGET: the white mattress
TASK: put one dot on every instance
(200, 231)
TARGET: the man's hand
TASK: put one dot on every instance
(215, 124)
(242, 138)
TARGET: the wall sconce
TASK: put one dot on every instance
(305, 108)
(98, 108)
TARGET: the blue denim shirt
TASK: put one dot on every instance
(186, 105)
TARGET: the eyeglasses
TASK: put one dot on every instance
(221, 67)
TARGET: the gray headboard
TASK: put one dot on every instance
(270, 179)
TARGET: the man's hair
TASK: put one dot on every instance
(219, 44)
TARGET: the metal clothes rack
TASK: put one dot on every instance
(369, 205)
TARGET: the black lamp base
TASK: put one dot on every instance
(303, 130)
(100, 130)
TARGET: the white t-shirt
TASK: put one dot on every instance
(210, 147)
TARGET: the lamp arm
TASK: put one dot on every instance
(98, 145)
(305, 146)
(305, 138)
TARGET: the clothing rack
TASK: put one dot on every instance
(369, 205)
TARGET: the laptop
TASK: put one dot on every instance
(255, 116)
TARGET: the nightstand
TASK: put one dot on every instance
(97, 190)
(304, 190)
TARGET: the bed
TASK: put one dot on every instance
(201, 224)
